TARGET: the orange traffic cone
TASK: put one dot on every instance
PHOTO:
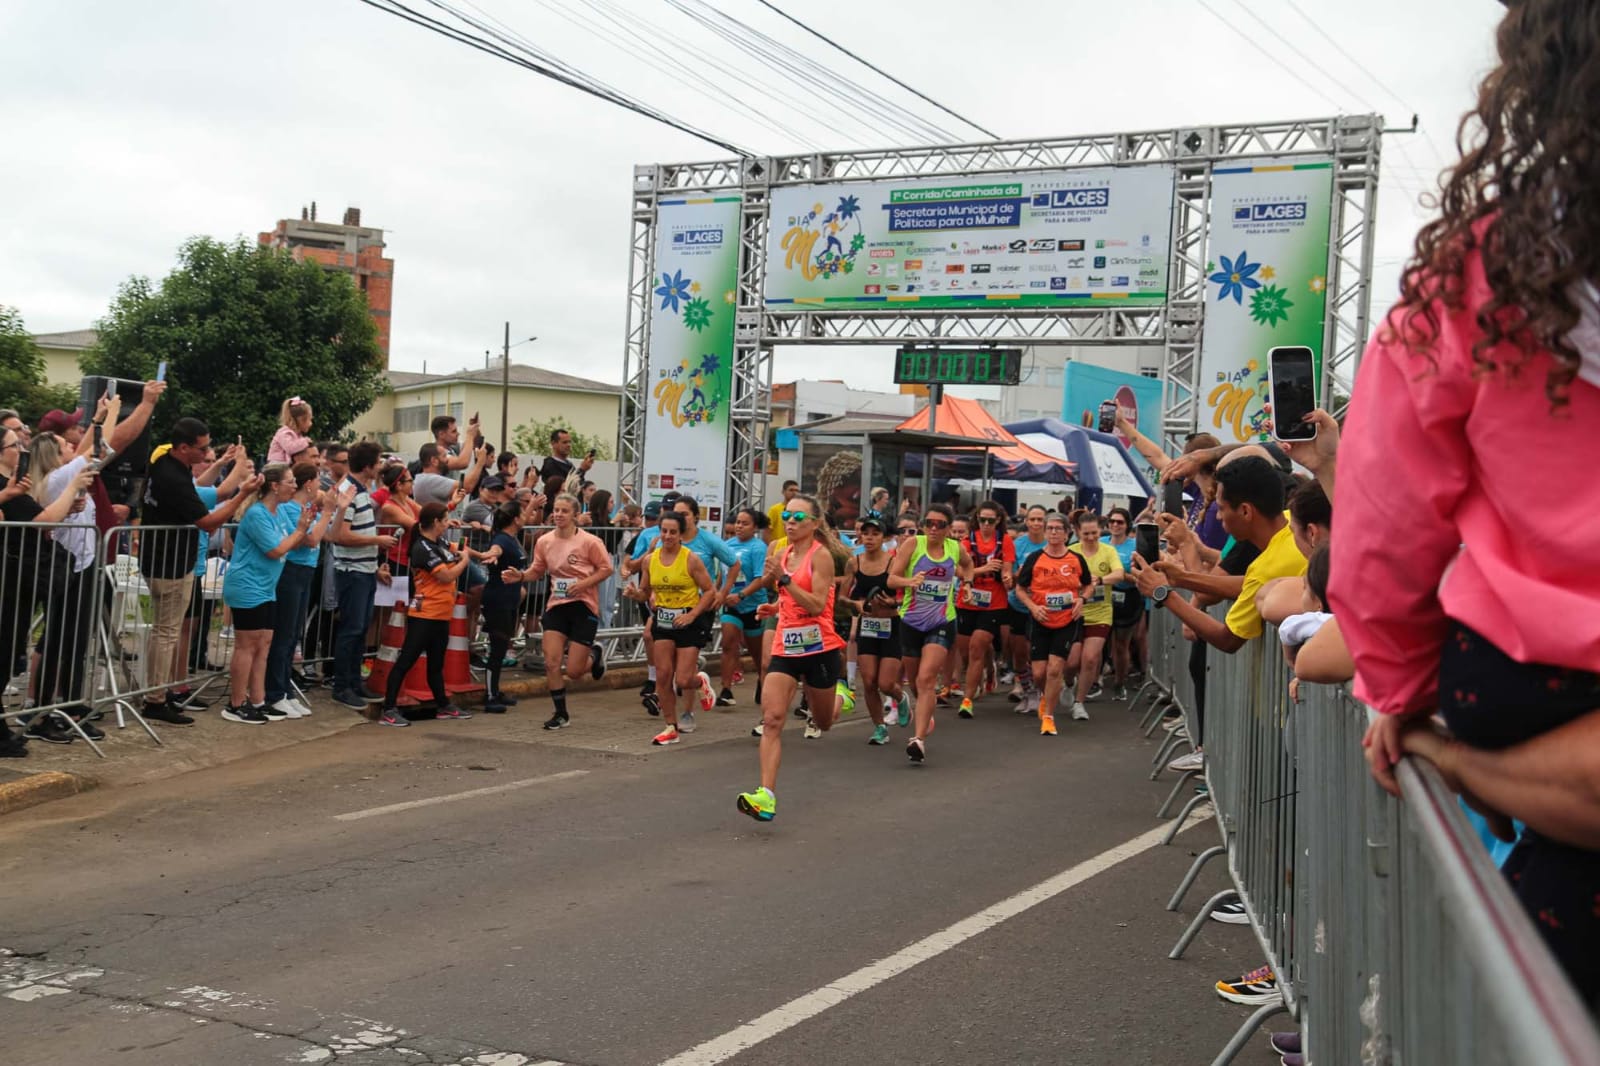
(394, 635)
(458, 658)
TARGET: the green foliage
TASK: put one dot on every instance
(533, 438)
(22, 372)
(243, 328)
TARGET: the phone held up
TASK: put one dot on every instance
(1108, 416)
(1291, 376)
(1172, 497)
(1147, 541)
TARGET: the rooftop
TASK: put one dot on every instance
(520, 375)
(72, 338)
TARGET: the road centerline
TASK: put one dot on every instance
(432, 801)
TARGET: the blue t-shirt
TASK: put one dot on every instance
(208, 496)
(252, 577)
(305, 555)
(1024, 548)
(752, 555)
(1125, 553)
(710, 549)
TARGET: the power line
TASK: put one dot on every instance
(1312, 63)
(1257, 46)
(876, 69)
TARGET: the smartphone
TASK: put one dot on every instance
(1147, 541)
(591, 453)
(1172, 497)
(24, 457)
(1291, 373)
(1108, 416)
(161, 371)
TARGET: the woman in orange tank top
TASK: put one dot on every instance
(806, 648)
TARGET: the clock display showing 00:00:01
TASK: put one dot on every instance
(956, 366)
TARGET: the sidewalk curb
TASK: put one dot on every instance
(40, 788)
(538, 685)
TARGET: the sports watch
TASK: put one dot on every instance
(1159, 596)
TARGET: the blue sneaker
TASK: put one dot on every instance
(904, 719)
(880, 734)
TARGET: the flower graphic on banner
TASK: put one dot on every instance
(828, 227)
(697, 314)
(682, 394)
(1318, 284)
(1270, 306)
(674, 288)
(728, 297)
(1235, 276)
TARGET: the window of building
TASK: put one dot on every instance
(1150, 371)
(411, 419)
(1052, 377)
(1028, 374)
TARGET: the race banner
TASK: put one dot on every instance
(691, 350)
(1066, 238)
(1265, 285)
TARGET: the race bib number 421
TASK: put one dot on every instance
(802, 640)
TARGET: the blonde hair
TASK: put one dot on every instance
(292, 411)
(825, 533)
(45, 452)
(271, 474)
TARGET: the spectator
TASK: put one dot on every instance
(774, 523)
(398, 510)
(432, 485)
(447, 438)
(293, 434)
(505, 465)
(9, 419)
(335, 463)
(558, 464)
(192, 655)
(356, 544)
(502, 600)
(294, 584)
(1475, 403)
(167, 555)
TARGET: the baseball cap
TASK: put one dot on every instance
(874, 519)
(493, 484)
(671, 498)
(59, 421)
(652, 509)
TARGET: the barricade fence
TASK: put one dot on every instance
(1394, 938)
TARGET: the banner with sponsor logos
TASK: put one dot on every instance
(1265, 284)
(1066, 238)
(691, 350)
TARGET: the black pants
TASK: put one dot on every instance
(424, 636)
(500, 619)
(1197, 673)
(67, 630)
(1491, 701)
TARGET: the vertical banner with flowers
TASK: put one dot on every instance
(1265, 285)
(691, 350)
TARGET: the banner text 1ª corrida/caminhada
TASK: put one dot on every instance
(1047, 239)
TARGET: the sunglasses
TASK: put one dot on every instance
(1117, 522)
(794, 516)
(987, 521)
(936, 523)
(908, 531)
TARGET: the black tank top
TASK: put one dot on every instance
(867, 584)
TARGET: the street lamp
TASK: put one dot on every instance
(505, 386)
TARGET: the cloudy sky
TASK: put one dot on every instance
(131, 127)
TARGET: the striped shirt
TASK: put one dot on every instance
(361, 519)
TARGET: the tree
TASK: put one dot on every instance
(533, 438)
(22, 372)
(242, 328)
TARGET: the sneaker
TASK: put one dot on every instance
(813, 731)
(1016, 694)
(1171, 722)
(1080, 713)
(761, 804)
(244, 715)
(888, 708)
(725, 699)
(273, 713)
(503, 700)
(1007, 677)
(1122, 694)
(1293, 1058)
(738, 677)
(450, 710)
(558, 721)
(1231, 913)
(597, 666)
(90, 730)
(300, 705)
(966, 709)
(802, 711)
(1047, 725)
(956, 692)
(50, 731)
(1035, 698)
(508, 660)
(1194, 760)
(160, 712)
(1285, 1043)
(186, 701)
(492, 705)
(941, 696)
(903, 719)
(686, 722)
(916, 751)
(392, 716)
(1095, 693)
(708, 698)
(647, 689)
(14, 747)
(652, 704)
(667, 736)
(346, 698)
(289, 708)
(757, 729)
(370, 696)
(1254, 988)
(847, 699)
(880, 735)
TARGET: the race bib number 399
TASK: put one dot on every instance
(876, 627)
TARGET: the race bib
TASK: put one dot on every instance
(802, 640)
(667, 617)
(979, 597)
(1099, 595)
(1058, 601)
(1119, 596)
(876, 627)
(561, 587)
(933, 590)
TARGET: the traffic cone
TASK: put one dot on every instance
(458, 658)
(394, 635)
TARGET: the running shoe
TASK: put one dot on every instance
(1195, 760)
(686, 722)
(451, 711)
(708, 698)
(738, 677)
(1047, 725)
(1287, 1043)
(725, 699)
(389, 716)
(880, 735)
(1122, 693)
(1253, 989)
(804, 710)
(1016, 694)
(1095, 693)
(668, 735)
(888, 707)
(652, 704)
(903, 719)
(847, 699)
(916, 751)
(1231, 913)
(813, 731)
(966, 709)
(646, 689)
(757, 729)
(955, 691)
(597, 665)
(302, 707)
(558, 721)
(1080, 713)
(1008, 677)
(289, 707)
(273, 713)
(761, 804)
(1171, 722)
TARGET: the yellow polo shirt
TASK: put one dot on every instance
(1280, 559)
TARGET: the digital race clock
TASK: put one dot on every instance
(958, 366)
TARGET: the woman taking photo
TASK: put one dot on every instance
(927, 564)
(435, 567)
(399, 511)
(806, 649)
(68, 615)
(265, 535)
(878, 639)
(294, 584)
(294, 431)
(678, 588)
(741, 629)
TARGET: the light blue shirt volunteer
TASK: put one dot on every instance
(305, 555)
(252, 577)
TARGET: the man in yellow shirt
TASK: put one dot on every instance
(1104, 566)
(774, 523)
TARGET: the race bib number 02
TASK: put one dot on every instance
(876, 627)
(802, 640)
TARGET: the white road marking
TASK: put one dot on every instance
(722, 1048)
(510, 786)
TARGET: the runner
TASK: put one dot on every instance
(577, 562)
(878, 638)
(950, 683)
(928, 565)
(1127, 604)
(1106, 569)
(806, 648)
(678, 588)
(981, 610)
(741, 629)
(1023, 693)
(1051, 585)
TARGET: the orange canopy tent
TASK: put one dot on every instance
(1010, 458)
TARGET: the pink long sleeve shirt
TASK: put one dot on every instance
(1464, 497)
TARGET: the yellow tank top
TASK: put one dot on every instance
(672, 585)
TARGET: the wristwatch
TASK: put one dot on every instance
(783, 582)
(1159, 596)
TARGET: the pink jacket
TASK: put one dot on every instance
(286, 443)
(1463, 497)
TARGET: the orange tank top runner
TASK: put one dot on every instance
(800, 633)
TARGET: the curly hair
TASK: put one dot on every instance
(1522, 196)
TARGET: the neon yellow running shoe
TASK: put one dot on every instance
(761, 804)
(847, 699)
(966, 709)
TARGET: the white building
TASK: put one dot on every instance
(1040, 394)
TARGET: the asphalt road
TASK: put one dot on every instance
(604, 903)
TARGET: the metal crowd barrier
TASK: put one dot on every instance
(1393, 937)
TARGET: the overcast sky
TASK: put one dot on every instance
(131, 127)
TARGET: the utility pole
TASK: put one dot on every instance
(505, 392)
